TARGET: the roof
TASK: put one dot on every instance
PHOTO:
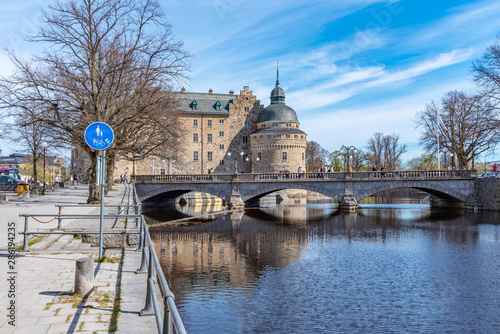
(279, 113)
(206, 103)
(291, 131)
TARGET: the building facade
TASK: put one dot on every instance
(229, 133)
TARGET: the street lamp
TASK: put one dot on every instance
(236, 160)
(44, 145)
(346, 152)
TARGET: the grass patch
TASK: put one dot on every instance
(113, 323)
(49, 304)
(108, 259)
(31, 242)
(57, 311)
(77, 237)
(80, 328)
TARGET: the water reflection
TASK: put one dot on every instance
(303, 268)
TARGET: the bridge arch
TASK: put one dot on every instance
(165, 192)
(335, 192)
(431, 188)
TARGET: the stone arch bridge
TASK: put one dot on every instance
(239, 190)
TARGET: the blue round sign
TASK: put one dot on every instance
(99, 136)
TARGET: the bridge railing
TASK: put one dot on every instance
(340, 176)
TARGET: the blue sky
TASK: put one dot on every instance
(349, 68)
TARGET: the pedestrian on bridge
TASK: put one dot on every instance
(495, 169)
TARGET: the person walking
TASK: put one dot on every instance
(495, 169)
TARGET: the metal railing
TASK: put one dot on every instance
(60, 217)
(151, 265)
(332, 176)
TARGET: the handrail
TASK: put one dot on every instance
(171, 317)
(60, 217)
(317, 176)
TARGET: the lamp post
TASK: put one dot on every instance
(248, 158)
(236, 160)
(451, 160)
(347, 152)
(44, 145)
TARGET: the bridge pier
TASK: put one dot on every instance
(235, 201)
(348, 204)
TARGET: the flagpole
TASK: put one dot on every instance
(437, 137)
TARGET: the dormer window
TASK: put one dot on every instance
(217, 105)
(194, 105)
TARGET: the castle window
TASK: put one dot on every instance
(261, 136)
(221, 146)
(221, 121)
(297, 126)
(162, 171)
(259, 156)
(195, 137)
(263, 126)
(247, 125)
(245, 139)
(288, 136)
(217, 105)
(278, 136)
(296, 136)
(221, 162)
(221, 133)
(301, 137)
(209, 157)
(283, 156)
(269, 136)
(288, 125)
(275, 125)
(209, 122)
(195, 122)
(195, 155)
(303, 156)
(209, 138)
(194, 105)
(247, 109)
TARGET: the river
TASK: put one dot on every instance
(304, 267)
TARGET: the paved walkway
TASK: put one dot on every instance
(43, 281)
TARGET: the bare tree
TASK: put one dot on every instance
(487, 72)
(112, 61)
(31, 134)
(462, 124)
(316, 156)
(385, 151)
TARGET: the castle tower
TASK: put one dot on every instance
(278, 144)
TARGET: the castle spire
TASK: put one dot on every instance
(277, 73)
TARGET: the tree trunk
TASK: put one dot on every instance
(110, 169)
(35, 174)
(94, 190)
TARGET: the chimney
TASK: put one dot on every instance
(210, 91)
(231, 92)
(183, 90)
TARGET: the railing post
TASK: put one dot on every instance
(25, 240)
(141, 236)
(148, 307)
(168, 327)
(59, 221)
(144, 260)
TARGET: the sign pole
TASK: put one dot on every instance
(100, 136)
(103, 183)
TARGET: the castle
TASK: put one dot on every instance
(229, 133)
